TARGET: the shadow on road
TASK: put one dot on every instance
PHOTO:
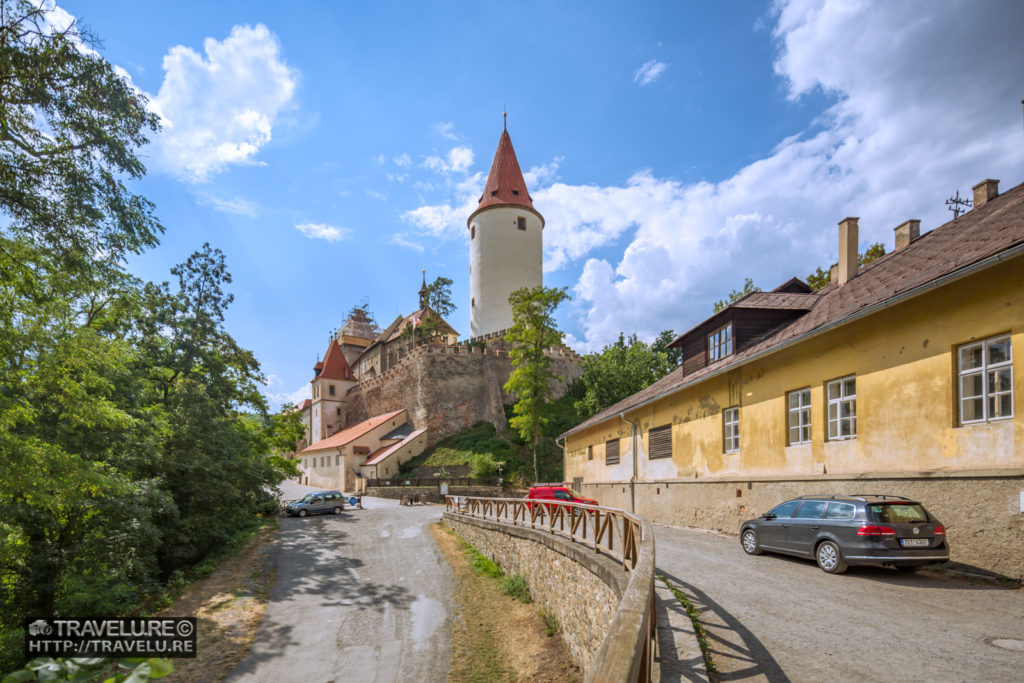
(730, 640)
(312, 561)
(926, 577)
(671, 614)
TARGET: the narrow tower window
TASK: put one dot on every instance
(521, 222)
(472, 232)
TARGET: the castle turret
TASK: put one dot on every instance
(505, 243)
(334, 377)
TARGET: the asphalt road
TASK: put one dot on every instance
(774, 618)
(362, 596)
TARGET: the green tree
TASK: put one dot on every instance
(69, 128)
(660, 345)
(736, 294)
(533, 331)
(821, 278)
(621, 369)
(439, 296)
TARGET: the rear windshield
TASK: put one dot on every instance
(898, 513)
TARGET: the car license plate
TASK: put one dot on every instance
(913, 542)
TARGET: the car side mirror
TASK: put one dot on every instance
(767, 515)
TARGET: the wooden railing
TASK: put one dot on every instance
(628, 650)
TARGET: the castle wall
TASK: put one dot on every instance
(448, 388)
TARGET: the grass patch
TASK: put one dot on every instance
(495, 637)
(482, 565)
(516, 587)
(551, 623)
(698, 627)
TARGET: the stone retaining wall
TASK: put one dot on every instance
(981, 511)
(580, 587)
(433, 493)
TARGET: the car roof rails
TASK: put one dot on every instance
(550, 483)
(830, 497)
(882, 496)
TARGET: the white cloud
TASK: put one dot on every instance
(380, 160)
(277, 398)
(397, 177)
(403, 160)
(373, 194)
(458, 160)
(401, 239)
(649, 72)
(220, 109)
(919, 112)
(322, 231)
(233, 205)
(446, 129)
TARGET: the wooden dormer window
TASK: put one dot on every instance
(720, 343)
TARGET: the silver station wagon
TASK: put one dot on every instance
(840, 531)
(319, 503)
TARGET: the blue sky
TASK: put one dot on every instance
(331, 150)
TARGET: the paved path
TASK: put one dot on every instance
(774, 618)
(362, 596)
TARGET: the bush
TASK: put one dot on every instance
(516, 587)
(483, 466)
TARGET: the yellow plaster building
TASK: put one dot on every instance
(902, 377)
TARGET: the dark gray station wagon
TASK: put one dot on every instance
(319, 503)
(839, 531)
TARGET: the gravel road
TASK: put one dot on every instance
(362, 596)
(775, 618)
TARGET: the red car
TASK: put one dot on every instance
(558, 492)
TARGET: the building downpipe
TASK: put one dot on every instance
(636, 453)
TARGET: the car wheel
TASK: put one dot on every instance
(302, 513)
(337, 510)
(750, 543)
(830, 559)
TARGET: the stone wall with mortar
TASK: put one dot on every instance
(981, 510)
(446, 389)
(581, 588)
(433, 493)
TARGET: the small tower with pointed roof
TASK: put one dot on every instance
(505, 243)
(333, 377)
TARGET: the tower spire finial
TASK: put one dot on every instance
(504, 114)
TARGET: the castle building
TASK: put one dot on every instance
(505, 244)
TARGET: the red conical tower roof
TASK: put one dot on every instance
(505, 185)
(334, 365)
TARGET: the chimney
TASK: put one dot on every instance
(833, 273)
(985, 191)
(907, 232)
(847, 249)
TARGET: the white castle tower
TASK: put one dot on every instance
(505, 243)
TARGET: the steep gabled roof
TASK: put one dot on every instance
(350, 434)
(978, 239)
(505, 184)
(381, 454)
(334, 365)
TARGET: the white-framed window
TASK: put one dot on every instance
(985, 380)
(842, 407)
(798, 410)
(720, 343)
(731, 429)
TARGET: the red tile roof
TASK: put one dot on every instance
(976, 239)
(334, 364)
(505, 185)
(381, 454)
(350, 434)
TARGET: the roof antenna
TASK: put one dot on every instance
(957, 205)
